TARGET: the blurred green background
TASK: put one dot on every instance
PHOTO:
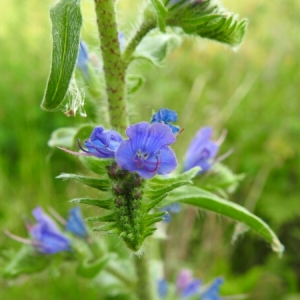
(253, 93)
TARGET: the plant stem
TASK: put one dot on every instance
(144, 289)
(114, 69)
(145, 27)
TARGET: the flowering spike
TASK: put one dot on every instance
(147, 150)
(201, 151)
(166, 116)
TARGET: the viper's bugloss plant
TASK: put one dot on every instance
(135, 169)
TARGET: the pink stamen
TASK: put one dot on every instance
(75, 153)
(18, 238)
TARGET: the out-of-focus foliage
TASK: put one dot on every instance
(253, 93)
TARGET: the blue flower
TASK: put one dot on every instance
(172, 208)
(187, 286)
(212, 292)
(75, 223)
(201, 151)
(47, 237)
(166, 116)
(162, 288)
(83, 59)
(102, 143)
(147, 150)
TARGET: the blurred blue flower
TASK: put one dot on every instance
(173, 208)
(83, 59)
(212, 292)
(187, 286)
(75, 223)
(102, 143)
(122, 41)
(162, 288)
(47, 237)
(201, 151)
(147, 150)
(166, 116)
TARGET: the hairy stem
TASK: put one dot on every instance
(114, 68)
(145, 27)
(144, 289)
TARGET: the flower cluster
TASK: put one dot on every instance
(188, 287)
(146, 151)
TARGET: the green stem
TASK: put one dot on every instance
(113, 65)
(144, 289)
(121, 276)
(145, 27)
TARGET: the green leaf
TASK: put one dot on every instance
(67, 136)
(134, 83)
(210, 20)
(66, 21)
(162, 13)
(25, 261)
(62, 137)
(100, 184)
(88, 269)
(106, 204)
(200, 198)
(97, 165)
(155, 48)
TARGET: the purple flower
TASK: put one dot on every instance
(201, 151)
(166, 116)
(75, 223)
(102, 143)
(212, 292)
(186, 285)
(147, 150)
(47, 237)
(83, 59)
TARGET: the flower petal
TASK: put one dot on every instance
(168, 161)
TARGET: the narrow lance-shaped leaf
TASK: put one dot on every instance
(200, 198)
(66, 21)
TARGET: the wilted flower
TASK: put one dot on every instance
(147, 150)
(166, 116)
(75, 223)
(83, 59)
(47, 237)
(201, 151)
(187, 286)
(102, 143)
